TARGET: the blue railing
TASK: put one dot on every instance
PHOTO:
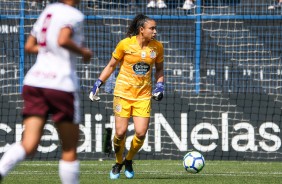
(204, 11)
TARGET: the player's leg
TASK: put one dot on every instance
(121, 125)
(141, 126)
(141, 119)
(34, 114)
(18, 151)
(122, 110)
(69, 165)
(34, 104)
(32, 133)
(66, 115)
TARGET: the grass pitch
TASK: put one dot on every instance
(152, 172)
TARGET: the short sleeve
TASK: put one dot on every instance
(160, 55)
(73, 22)
(36, 29)
(119, 51)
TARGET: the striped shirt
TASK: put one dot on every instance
(134, 81)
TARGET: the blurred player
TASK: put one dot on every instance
(136, 55)
(51, 87)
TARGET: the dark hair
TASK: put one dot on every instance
(136, 23)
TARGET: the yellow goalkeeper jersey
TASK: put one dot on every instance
(134, 81)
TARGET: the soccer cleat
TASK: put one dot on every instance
(128, 171)
(115, 172)
(161, 4)
(151, 4)
(276, 5)
(188, 5)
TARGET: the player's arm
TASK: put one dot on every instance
(65, 41)
(108, 70)
(159, 76)
(31, 45)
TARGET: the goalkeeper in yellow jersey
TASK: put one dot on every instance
(136, 56)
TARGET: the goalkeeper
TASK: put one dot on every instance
(136, 56)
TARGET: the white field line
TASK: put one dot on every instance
(160, 173)
(155, 172)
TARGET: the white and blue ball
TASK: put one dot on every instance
(193, 162)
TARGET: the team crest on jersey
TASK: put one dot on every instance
(153, 54)
(118, 108)
(141, 68)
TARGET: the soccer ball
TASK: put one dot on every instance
(193, 162)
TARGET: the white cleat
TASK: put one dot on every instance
(272, 7)
(188, 5)
(161, 4)
(151, 4)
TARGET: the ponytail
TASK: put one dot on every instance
(136, 23)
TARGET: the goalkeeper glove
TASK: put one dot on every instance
(94, 91)
(158, 92)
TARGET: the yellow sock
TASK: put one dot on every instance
(119, 148)
(136, 144)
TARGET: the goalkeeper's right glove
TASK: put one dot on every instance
(158, 92)
(94, 91)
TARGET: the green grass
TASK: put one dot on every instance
(152, 172)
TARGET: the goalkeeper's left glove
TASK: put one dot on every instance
(158, 92)
(94, 91)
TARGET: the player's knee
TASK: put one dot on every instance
(120, 135)
(140, 136)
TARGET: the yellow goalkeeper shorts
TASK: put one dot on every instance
(126, 108)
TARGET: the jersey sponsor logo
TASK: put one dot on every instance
(45, 75)
(130, 52)
(141, 68)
